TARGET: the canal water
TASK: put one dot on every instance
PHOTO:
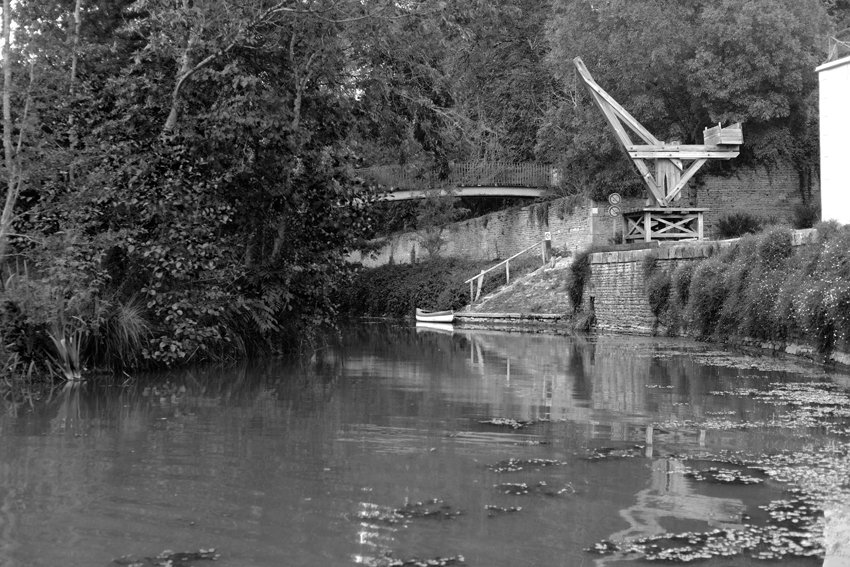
(476, 448)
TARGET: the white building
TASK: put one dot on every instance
(834, 80)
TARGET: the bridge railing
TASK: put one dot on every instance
(467, 174)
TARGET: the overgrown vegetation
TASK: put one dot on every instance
(578, 277)
(737, 224)
(763, 288)
(806, 215)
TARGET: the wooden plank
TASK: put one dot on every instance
(649, 179)
(678, 147)
(692, 169)
(624, 139)
(730, 135)
(630, 120)
(668, 176)
(669, 210)
(612, 119)
(683, 155)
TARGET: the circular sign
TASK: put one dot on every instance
(614, 199)
(547, 236)
(614, 211)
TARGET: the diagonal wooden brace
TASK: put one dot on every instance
(686, 176)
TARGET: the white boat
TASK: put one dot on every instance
(434, 316)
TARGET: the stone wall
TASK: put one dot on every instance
(617, 288)
(576, 223)
(497, 235)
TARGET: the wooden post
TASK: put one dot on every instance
(507, 272)
(700, 234)
(547, 246)
(647, 226)
(702, 438)
(649, 434)
(471, 293)
(480, 284)
(836, 535)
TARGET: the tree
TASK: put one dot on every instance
(679, 68)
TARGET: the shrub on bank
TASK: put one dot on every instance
(761, 287)
(578, 277)
(738, 224)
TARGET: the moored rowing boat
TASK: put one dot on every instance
(434, 316)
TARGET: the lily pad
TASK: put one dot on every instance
(169, 558)
(514, 465)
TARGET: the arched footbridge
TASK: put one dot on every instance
(474, 179)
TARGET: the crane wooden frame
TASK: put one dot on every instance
(674, 165)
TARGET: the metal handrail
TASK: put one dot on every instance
(473, 296)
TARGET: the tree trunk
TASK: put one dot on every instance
(75, 41)
(279, 240)
(185, 69)
(11, 186)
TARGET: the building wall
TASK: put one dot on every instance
(834, 79)
(771, 194)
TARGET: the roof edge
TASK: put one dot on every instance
(833, 64)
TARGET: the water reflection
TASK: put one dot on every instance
(309, 464)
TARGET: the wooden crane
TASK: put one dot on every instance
(665, 168)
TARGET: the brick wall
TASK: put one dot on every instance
(574, 223)
(770, 194)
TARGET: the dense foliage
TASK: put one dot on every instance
(679, 67)
(763, 288)
(180, 176)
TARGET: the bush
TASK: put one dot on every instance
(762, 287)
(805, 215)
(578, 278)
(681, 283)
(658, 288)
(774, 248)
(734, 225)
(707, 294)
